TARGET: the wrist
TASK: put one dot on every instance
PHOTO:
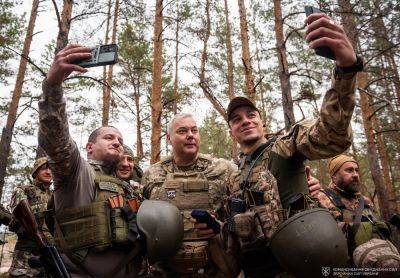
(349, 71)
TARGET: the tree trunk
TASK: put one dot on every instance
(65, 24)
(156, 91)
(6, 135)
(204, 56)
(139, 141)
(284, 77)
(231, 94)
(385, 165)
(106, 93)
(176, 80)
(373, 159)
(244, 37)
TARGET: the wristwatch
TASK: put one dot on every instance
(356, 67)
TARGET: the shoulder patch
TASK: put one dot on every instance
(109, 186)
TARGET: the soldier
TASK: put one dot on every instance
(127, 169)
(83, 188)
(367, 236)
(271, 172)
(191, 180)
(37, 193)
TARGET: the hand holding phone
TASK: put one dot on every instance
(101, 55)
(203, 216)
(323, 51)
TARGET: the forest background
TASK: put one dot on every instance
(193, 56)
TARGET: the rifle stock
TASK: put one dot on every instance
(49, 256)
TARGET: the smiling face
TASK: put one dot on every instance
(125, 167)
(246, 126)
(106, 146)
(43, 174)
(185, 138)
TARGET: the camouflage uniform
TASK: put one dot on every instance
(368, 240)
(198, 186)
(38, 196)
(274, 173)
(82, 188)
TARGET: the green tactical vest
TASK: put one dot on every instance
(95, 226)
(370, 227)
(187, 190)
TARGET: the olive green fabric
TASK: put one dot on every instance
(96, 225)
(290, 175)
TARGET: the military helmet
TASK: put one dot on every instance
(309, 241)
(162, 224)
(38, 163)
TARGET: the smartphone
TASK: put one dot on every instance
(101, 55)
(323, 51)
(203, 216)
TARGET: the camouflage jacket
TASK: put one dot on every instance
(328, 135)
(216, 170)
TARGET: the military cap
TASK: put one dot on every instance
(239, 102)
(38, 163)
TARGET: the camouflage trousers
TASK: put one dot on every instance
(20, 268)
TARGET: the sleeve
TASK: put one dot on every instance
(17, 196)
(328, 135)
(54, 135)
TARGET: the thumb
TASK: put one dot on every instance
(308, 172)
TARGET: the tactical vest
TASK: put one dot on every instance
(187, 190)
(369, 227)
(96, 226)
(37, 199)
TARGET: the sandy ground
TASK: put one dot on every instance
(6, 252)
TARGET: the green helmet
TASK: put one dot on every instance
(309, 241)
(38, 163)
(162, 224)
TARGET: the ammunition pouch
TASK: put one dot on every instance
(94, 226)
(191, 257)
(369, 230)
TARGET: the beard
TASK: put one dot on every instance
(351, 186)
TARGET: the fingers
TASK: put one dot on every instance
(308, 172)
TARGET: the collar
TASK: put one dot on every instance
(41, 185)
(102, 167)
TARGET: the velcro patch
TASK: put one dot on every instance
(109, 186)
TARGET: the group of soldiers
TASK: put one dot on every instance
(94, 220)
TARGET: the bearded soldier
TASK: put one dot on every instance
(86, 192)
(271, 172)
(367, 236)
(37, 194)
(191, 180)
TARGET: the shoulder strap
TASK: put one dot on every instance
(334, 197)
(358, 215)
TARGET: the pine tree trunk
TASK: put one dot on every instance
(106, 41)
(65, 24)
(6, 135)
(229, 51)
(139, 141)
(204, 56)
(284, 77)
(106, 93)
(176, 80)
(156, 91)
(244, 37)
(373, 159)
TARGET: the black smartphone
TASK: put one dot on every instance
(203, 216)
(101, 55)
(323, 51)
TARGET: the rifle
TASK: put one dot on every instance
(49, 256)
